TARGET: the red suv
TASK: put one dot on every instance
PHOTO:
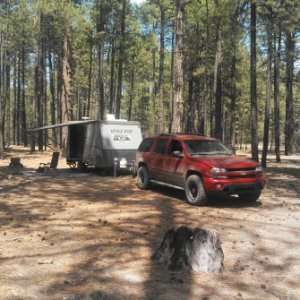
(200, 165)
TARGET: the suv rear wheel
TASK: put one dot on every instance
(194, 191)
(143, 179)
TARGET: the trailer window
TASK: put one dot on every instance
(145, 145)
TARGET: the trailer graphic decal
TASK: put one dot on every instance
(121, 135)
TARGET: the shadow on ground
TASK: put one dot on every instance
(89, 236)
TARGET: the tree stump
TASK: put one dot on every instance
(192, 249)
(15, 163)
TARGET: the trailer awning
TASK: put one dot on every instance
(70, 123)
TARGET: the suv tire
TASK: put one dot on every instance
(143, 178)
(194, 191)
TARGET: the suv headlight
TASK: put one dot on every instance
(218, 173)
(259, 170)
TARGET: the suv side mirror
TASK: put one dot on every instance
(177, 154)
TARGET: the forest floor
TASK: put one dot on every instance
(69, 235)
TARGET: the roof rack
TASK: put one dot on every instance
(179, 133)
(168, 134)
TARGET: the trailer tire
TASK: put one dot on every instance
(143, 179)
(81, 166)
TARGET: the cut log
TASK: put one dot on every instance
(193, 249)
(15, 163)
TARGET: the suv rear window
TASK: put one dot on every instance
(145, 145)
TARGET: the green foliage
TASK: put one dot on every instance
(22, 27)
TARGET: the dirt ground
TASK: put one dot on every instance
(71, 235)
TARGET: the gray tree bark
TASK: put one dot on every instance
(253, 91)
(289, 99)
(191, 249)
(178, 103)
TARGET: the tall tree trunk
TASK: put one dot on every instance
(277, 48)
(39, 81)
(203, 126)
(66, 93)
(154, 90)
(100, 83)
(233, 83)
(33, 123)
(45, 97)
(112, 78)
(15, 101)
(23, 103)
(2, 92)
(171, 103)
(190, 110)
(253, 92)
(161, 69)
(233, 100)
(18, 118)
(52, 97)
(132, 81)
(121, 60)
(289, 101)
(268, 95)
(4, 75)
(100, 62)
(87, 109)
(59, 94)
(7, 104)
(218, 84)
(79, 103)
(196, 103)
(178, 106)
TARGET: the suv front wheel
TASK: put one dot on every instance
(194, 191)
(143, 178)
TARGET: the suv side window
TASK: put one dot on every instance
(160, 146)
(175, 146)
(145, 145)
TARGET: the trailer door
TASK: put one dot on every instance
(77, 134)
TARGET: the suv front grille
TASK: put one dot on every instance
(243, 173)
(241, 169)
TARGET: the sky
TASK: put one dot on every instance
(138, 1)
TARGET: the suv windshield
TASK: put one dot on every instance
(205, 147)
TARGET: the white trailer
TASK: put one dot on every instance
(103, 144)
(107, 144)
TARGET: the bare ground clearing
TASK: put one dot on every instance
(66, 235)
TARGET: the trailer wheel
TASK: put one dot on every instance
(71, 163)
(143, 179)
(81, 166)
